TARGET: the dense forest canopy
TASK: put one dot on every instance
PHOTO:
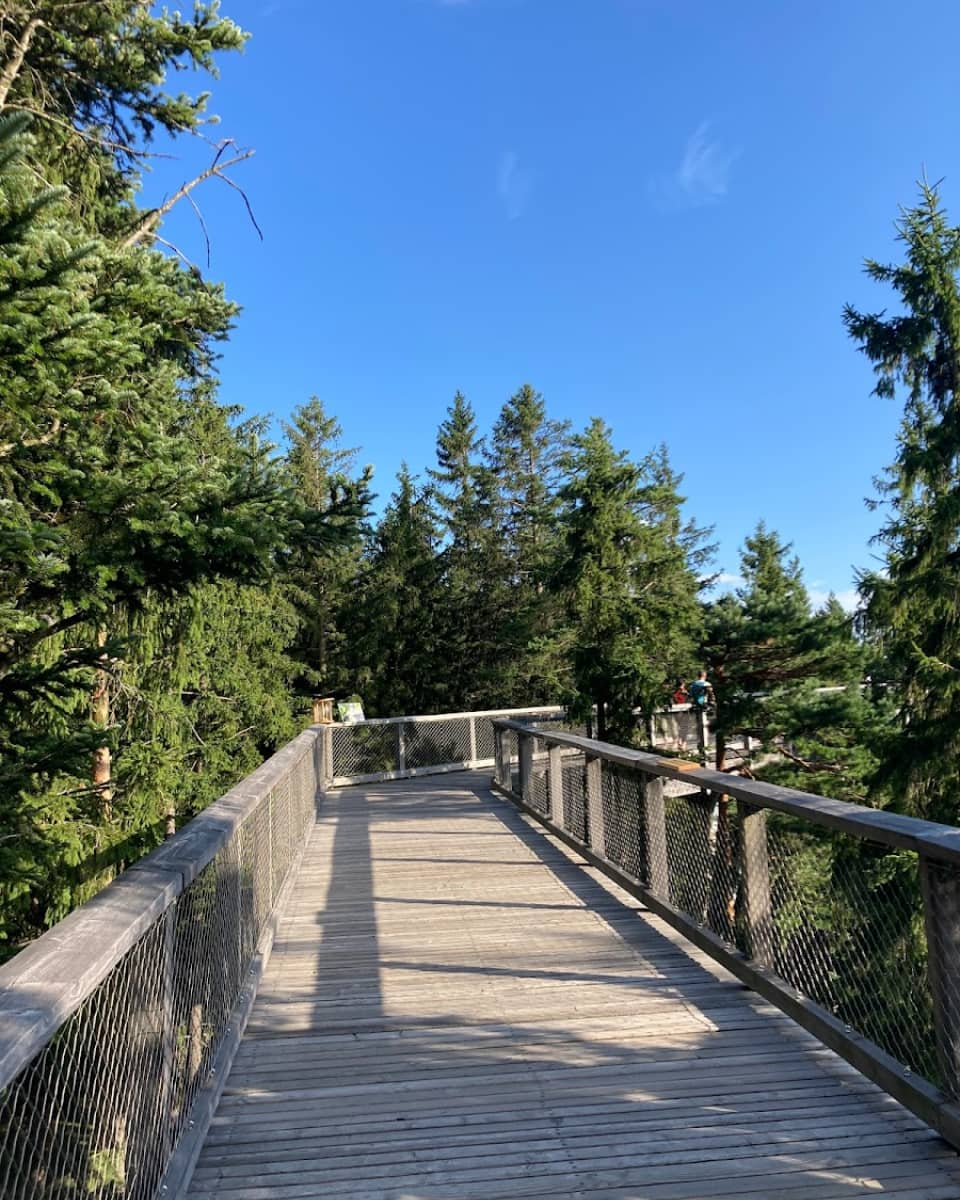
(174, 589)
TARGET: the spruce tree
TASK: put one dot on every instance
(525, 459)
(629, 575)
(471, 605)
(913, 603)
(769, 657)
(396, 632)
(323, 475)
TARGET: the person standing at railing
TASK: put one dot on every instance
(700, 691)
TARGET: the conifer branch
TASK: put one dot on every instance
(216, 170)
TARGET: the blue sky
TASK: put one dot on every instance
(652, 210)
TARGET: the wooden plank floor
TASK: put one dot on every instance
(454, 1009)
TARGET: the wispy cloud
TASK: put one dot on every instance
(514, 184)
(703, 174)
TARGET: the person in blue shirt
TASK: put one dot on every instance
(700, 691)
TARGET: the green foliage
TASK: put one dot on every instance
(525, 459)
(629, 578)
(397, 609)
(320, 583)
(471, 603)
(791, 678)
(142, 528)
(913, 604)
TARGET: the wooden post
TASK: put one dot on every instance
(593, 785)
(328, 771)
(703, 735)
(940, 883)
(473, 741)
(401, 748)
(555, 785)
(525, 756)
(654, 818)
(755, 884)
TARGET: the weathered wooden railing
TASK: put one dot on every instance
(118, 1025)
(401, 747)
(846, 917)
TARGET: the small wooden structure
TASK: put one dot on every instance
(323, 710)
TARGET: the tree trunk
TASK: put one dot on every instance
(100, 715)
(724, 889)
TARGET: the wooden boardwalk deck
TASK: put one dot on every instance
(455, 1009)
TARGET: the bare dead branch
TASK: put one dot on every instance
(11, 68)
(179, 253)
(203, 225)
(216, 170)
(236, 187)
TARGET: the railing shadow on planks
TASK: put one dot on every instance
(118, 1026)
(845, 917)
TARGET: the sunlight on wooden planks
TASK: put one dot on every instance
(456, 1009)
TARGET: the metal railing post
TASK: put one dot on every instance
(940, 883)
(593, 785)
(473, 741)
(755, 882)
(654, 821)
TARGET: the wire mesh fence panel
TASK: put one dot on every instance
(99, 1109)
(689, 841)
(364, 749)
(847, 929)
(575, 796)
(81, 1120)
(484, 737)
(437, 743)
(622, 799)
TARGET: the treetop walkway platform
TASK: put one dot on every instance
(442, 985)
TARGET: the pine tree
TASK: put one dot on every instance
(769, 657)
(140, 527)
(471, 606)
(396, 634)
(525, 459)
(323, 476)
(912, 605)
(629, 577)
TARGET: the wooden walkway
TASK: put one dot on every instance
(456, 1009)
